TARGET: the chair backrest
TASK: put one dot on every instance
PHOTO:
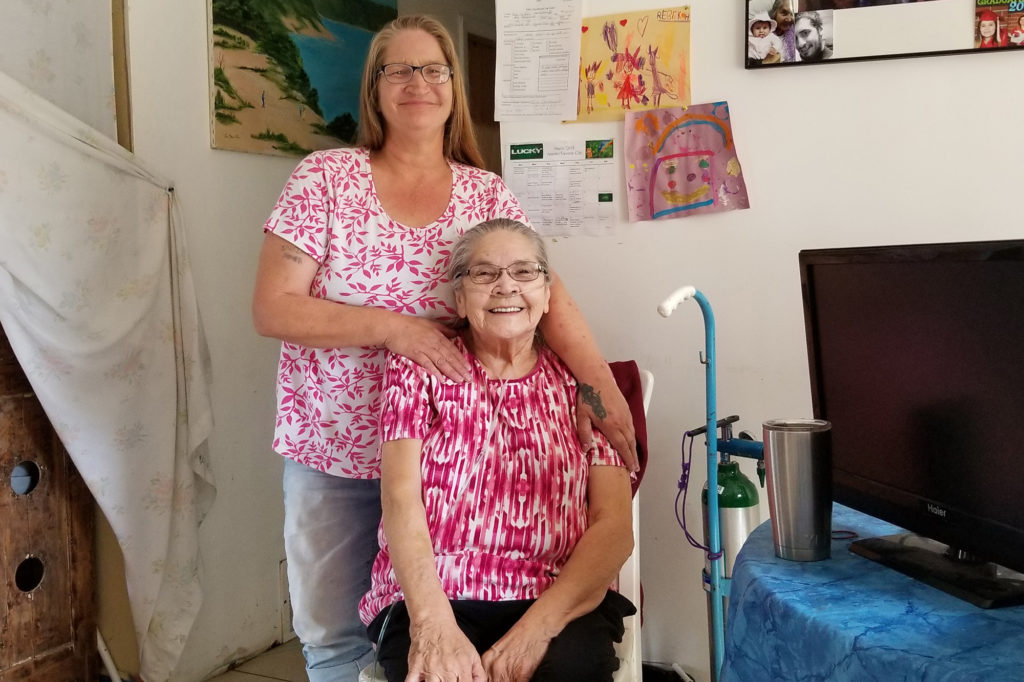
(646, 387)
(629, 650)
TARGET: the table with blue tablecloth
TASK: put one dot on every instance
(849, 618)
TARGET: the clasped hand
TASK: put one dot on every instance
(516, 656)
(443, 653)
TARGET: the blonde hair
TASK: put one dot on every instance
(459, 138)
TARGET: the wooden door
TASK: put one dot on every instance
(47, 619)
(480, 56)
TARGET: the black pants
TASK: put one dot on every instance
(584, 650)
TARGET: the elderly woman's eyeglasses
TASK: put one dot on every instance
(435, 74)
(520, 271)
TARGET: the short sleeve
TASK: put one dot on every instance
(603, 454)
(405, 410)
(303, 211)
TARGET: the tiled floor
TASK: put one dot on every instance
(280, 663)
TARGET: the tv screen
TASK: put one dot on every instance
(916, 356)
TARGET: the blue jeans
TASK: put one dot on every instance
(330, 539)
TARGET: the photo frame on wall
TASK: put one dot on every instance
(791, 32)
(286, 83)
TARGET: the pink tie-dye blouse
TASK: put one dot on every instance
(328, 398)
(504, 477)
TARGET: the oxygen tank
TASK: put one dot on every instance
(738, 516)
(738, 510)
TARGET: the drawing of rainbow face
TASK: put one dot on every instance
(680, 182)
(685, 163)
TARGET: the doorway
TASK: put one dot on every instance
(480, 57)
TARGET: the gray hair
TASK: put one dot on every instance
(464, 248)
(775, 7)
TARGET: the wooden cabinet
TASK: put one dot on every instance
(47, 617)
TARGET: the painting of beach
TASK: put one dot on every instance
(284, 74)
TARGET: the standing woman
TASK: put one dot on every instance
(352, 266)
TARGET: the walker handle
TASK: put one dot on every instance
(678, 296)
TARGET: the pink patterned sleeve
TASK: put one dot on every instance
(302, 213)
(604, 454)
(405, 401)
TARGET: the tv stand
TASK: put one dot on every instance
(986, 585)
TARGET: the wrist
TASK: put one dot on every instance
(543, 622)
(432, 625)
(389, 326)
(430, 613)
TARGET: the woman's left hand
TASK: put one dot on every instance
(514, 657)
(605, 407)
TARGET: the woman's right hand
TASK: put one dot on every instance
(428, 344)
(441, 652)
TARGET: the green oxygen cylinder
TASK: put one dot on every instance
(737, 508)
(738, 516)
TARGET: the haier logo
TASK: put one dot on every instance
(936, 510)
(526, 151)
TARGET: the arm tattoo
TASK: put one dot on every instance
(291, 252)
(593, 399)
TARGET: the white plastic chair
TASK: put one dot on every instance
(628, 650)
(366, 674)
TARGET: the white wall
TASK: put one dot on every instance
(225, 197)
(834, 155)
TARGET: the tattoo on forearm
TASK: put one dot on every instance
(292, 253)
(593, 398)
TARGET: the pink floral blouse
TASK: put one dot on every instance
(328, 398)
(504, 478)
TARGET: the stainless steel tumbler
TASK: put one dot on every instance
(798, 461)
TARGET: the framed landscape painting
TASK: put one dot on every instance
(284, 74)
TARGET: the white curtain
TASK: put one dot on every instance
(97, 300)
(63, 50)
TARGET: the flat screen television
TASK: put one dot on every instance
(916, 357)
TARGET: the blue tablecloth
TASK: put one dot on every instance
(849, 618)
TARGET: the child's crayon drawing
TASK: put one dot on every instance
(634, 61)
(682, 161)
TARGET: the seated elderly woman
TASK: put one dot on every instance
(500, 534)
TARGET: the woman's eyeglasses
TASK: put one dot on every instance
(435, 74)
(520, 271)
